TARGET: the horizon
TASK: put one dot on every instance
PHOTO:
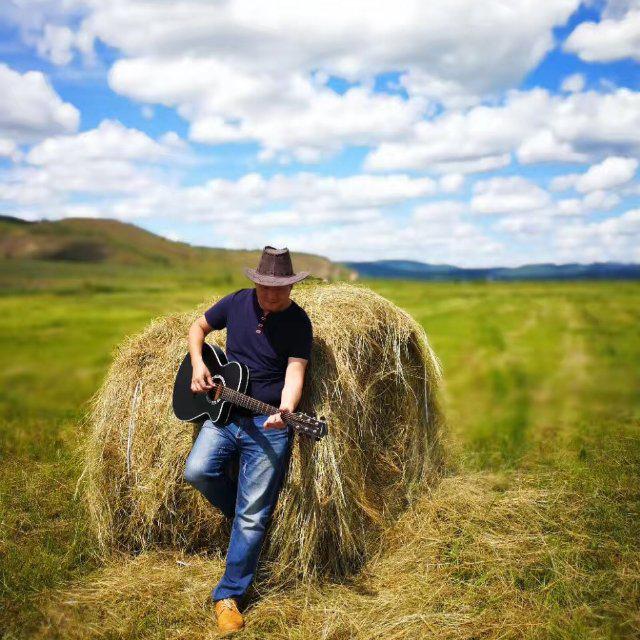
(293, 252)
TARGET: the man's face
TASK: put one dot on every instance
(273, 298)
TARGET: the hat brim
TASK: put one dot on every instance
(274, 281)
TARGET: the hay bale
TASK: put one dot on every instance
(373, 375)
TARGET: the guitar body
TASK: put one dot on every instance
(195, 407)
(231, 380)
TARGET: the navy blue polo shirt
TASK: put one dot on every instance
(285, 334)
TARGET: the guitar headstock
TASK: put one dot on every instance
(309, 425)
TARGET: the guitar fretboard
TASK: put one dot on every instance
(247, 401)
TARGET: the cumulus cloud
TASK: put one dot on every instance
(284, 112)
(608, 174)
(242, 70)
(109, 141)
(110, 159)
(113, 160)
(313, 198)
(31, 108)
(451, 182)
(441, 38)
(439, 210)
(600, 200)
(613, 38)
(544, 146)
(508, 195)
(536, 124)
(616, 238)
(573, 83)
(436, 241)
(56, 44)
(526, 226)
(8, 148)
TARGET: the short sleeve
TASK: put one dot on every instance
(217, 315)
(301, 339)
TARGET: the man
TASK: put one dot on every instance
(272, 335)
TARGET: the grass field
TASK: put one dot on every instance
(535, 531)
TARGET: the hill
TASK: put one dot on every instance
(414, 270)
(104, 240)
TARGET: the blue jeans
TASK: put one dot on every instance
(264, 456)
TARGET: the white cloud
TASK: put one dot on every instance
(451, 182)
(442, 38)
(523, 226)
(31, 109)
(544, 146)
(578, 207)
(283, 112)
(573, 83)
(616, 238)
(111, 159)
(439, 210)
(600, 200)
(611, 172)
(536, 124)
(438, 241)
(240, 70)
(508, 195)
(453, 94)
(608, 174)
(114, 161)
(315, 217)
(541, 127)
(564, 182)
(7, 148)
(109, 141)
(56, 44)
(570, 207)
(607, 40)
(313, 197)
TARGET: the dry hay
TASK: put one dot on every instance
(478, 556)
(373, 375)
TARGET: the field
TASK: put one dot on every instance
(534, 532)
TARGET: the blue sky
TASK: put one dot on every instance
(475, 134)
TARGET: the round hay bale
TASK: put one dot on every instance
(373, 375)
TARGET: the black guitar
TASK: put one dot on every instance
(231, 380)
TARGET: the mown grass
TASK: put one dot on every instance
(535, 534)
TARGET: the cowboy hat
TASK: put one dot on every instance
(275, 268)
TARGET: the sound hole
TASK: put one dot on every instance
(211, 394)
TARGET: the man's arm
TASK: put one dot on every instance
(201, 379)
(291, 392)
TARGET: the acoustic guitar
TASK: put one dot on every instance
(231, 380)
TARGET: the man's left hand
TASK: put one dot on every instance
(275, 421)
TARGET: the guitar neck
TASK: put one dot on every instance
(248, 402)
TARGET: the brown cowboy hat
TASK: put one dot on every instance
(275, 268)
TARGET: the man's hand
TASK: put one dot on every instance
(201, 380)
(275, 421)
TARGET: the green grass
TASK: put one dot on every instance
(540, 378)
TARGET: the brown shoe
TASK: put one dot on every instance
(227, 614)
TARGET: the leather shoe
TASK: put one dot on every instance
(228, 616)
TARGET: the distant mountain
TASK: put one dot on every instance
(106, 240)
(413, 270)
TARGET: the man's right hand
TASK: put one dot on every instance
(201, 380)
